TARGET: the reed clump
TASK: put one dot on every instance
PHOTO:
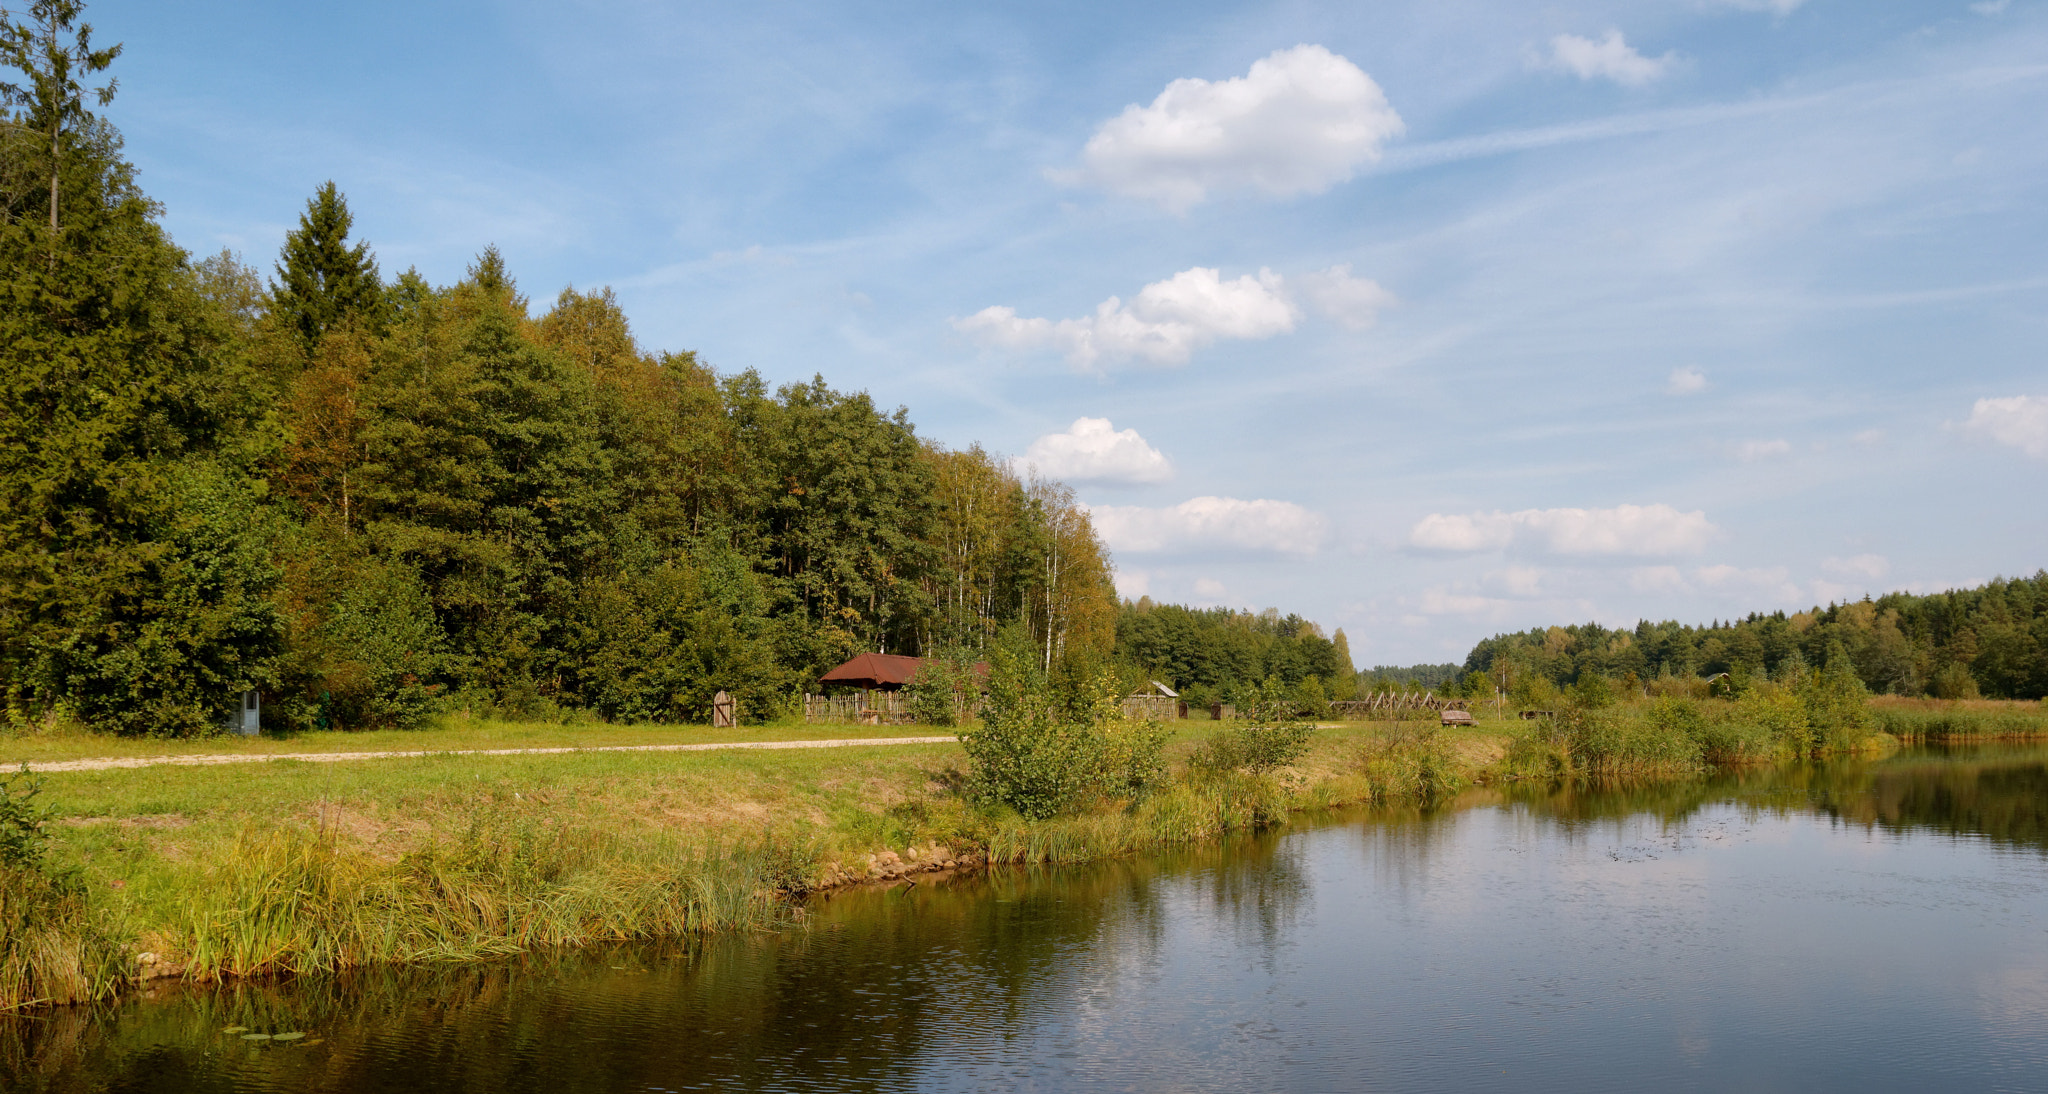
(51, 949)
(298, 901)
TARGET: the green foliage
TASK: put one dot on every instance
(1837, 707)
(323, 283)
(1216, 651)
(945, 688)
(23, 841)
(1954, 682)
(1994, 637)
(1029, 753)
(1268, 734)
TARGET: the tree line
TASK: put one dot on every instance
(373, 498)
(1990, 641)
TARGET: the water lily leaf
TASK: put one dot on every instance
(286, 1036)
(255, 1036)
(236, 1029)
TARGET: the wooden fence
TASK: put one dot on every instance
(876, 708)
(1394, 706)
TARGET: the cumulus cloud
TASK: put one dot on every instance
(1169, 320)
(1210, 523)
(1093, 450)
(1303, 120)
(1610, 58)
(1622, 530)
(1752, 451)
(1165, 323)
(2018, 420)
(1685, 381)
(1354, 302)
(1871, 567)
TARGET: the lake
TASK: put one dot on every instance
(1863, 925)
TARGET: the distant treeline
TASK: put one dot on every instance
(372, 498)
(1213, 654)
(1990, 641)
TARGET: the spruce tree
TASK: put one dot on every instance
(323, 282)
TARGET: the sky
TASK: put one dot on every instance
(1423, 320)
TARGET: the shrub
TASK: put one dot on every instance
(1837, 708)
(943, 690)
(51, 951)
(1269, 736)
(1028, 753)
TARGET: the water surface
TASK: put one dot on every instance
(1863, 926)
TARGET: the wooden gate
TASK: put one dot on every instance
(724, 712)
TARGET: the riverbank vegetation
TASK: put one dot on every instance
(290, 867)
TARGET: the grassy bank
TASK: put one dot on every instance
(292, 867)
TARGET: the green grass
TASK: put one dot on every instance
(451, 734)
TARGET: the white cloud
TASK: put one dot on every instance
(1164, 324)
(1775, 7)
(1752, 451)
(1871, 567)
(1354, 302)
(1132, 584)
(2018, 420)
(1093, 450)
(1622, 530)
(1210, 523)
(1685, 381)
(1609, 58)
(1657, 579)
(1301, 121)
(1991, 7)
(1869, 437)
(1209, 588)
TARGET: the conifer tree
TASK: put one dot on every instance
(322, 281)
(51, 98)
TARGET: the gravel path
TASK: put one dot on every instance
(338, 757)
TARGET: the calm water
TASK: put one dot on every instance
(1861, 927)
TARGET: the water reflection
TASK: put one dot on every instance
(1773, 928)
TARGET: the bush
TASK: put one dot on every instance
(1028, 753)
(1837, 708)
(1269, 736)
(944, 690)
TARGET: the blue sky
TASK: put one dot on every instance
(1423, 320)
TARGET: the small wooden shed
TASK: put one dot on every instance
(1156, 702)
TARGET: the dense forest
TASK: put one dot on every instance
(1210, 654)
(1990, 641)
(374, 497)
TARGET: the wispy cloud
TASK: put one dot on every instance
(1685, 381)
(1610, 58)
(1622, 530)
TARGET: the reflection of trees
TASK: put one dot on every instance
(1998, 792)
(2001, 800)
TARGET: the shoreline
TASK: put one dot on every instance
(209, 872)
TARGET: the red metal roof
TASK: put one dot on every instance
(886, 671)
